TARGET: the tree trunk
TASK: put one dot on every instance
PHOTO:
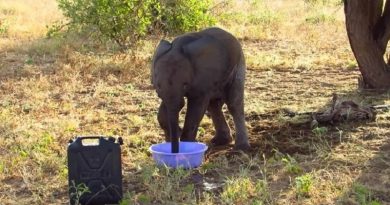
(368, 28)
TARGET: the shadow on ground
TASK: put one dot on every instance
(271, 133)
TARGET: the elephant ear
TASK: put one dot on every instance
(162, 48)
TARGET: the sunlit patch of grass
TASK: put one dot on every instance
(259, 19)
(320, 17)
(44, 143)
(2, 167)
(244, 190)
(303, 185)
(313, 3)
(70, 125)
(135, 120)
(322, 11)
(247, 183)
(25, 23)
(266, 60)
(161, 182)
(40, 157)
(141, 141)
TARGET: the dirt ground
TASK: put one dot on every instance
(52, 90)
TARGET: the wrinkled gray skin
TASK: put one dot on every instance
(208, 68)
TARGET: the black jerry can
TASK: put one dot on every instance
(94, 170)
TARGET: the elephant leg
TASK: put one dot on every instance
(162, 118)
(235, 103)
(222, 131)
(196, 109)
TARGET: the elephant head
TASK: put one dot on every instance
(171, 77)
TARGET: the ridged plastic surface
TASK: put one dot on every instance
(98, 167)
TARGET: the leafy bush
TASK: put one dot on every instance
(113, 19)
(186, 15)
(126, 21)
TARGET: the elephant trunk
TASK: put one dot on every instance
(173, 121)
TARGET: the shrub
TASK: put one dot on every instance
(186, 15)
(118, 20)
(125, 21)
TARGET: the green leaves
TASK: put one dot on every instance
(187, 15)
(123, 21)
(126, 21)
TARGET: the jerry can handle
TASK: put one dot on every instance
(97, 138)
(79, 139)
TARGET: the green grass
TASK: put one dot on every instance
(4, 25)
(291, 165)
(303, 185)
(320, 18)
(244, 190)
(54, 89)
(363, 195)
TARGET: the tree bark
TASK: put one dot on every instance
(368, 29)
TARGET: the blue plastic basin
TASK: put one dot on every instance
(190, 154)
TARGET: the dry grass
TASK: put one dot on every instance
(27, 19)
(297, 56)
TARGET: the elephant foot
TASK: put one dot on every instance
(221, 139)
(242, 146)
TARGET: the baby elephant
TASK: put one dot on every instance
(208, 68)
